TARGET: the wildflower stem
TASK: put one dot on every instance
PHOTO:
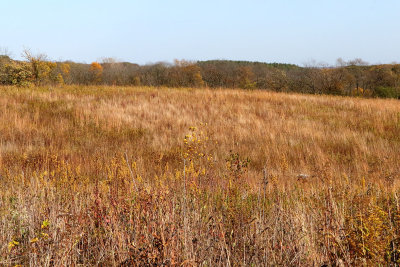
(131, 172)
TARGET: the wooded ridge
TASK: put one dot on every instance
(353, 78)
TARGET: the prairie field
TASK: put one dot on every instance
(144, 176)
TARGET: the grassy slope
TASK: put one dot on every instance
(62, 159)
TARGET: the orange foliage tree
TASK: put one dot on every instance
(96, 71)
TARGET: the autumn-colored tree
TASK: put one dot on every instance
(96, 71)
(62, 73)
(136, 81)
(40, 66)
(185, 73)
(65, 69)
(245, 78)
(191, 73)
(16, 73)
(59, 79)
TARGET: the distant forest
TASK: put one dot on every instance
(353, 78)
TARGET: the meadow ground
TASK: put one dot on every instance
(154, 176)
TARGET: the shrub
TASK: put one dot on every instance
(387, 92)
(16, 74)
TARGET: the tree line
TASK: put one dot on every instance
(354, 78)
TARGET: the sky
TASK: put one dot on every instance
(149, 31)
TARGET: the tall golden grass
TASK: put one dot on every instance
(127, 176)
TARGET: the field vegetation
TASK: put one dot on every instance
(125, 176)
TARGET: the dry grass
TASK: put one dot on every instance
(147, 176)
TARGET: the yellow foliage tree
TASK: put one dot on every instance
(16, 73)
(41, 68)
(65, 68)
(59, 79)
(245, 78)
(96, 71)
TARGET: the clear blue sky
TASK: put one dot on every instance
(290, 31)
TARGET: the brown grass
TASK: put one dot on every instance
(156, 176)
